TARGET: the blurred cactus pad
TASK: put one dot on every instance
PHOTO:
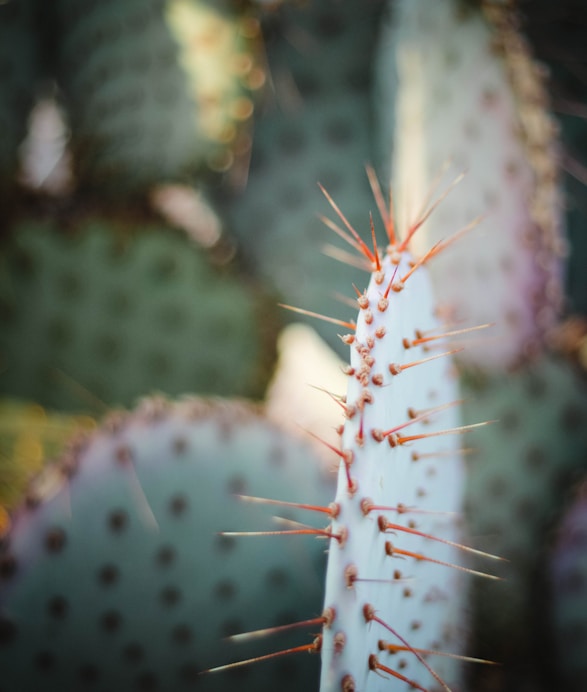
(154, 90)
(101, 312)
(115, 575)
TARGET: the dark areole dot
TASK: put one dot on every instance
(89, 673)
(535, 458)
(69, 285)
(339, 132)
(180, 445)
(277, 455)
(8, 566)
(329, 25)
(118, 520)
(108, 575)
(276, 578)
(57, 607)
(108, 348)
(59, 332)
(165, 556)
(55, 540)
(159, 364)
(170, 596)
(536, 387)
(307, 83)
(110, 621)
(181, 634)
(236, 485)
(123, 455)
(165, 267)
(44, 660)
(225, 590)
(146, 682)
(32, 500)
(178, 505)
(291, 141)
(8, 631)
(497, 487)
(133, 653)
(225, 544)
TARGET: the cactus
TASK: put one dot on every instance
(389, 404)
(155, 91)
(99, 311)
(478, 104)
(313, 127)
(567, 576)
(395, 570)
(518, 477)
(114, 574)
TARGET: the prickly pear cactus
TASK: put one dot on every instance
(115, 575)
(103, 311)
(156, 90)
(476, 105)
(518, 477)
(389, 586)
(568, 581)
(312, 127)
(396, 582)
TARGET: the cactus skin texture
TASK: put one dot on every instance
(114, 575)
(479, 104)
(392, 469)
(101, 310)
(155, 91)
(315, 128)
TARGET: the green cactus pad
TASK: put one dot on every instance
(315, 129)
(98, 315)
(519, 471)
(568, 585)
(155, 90)
(120, 579)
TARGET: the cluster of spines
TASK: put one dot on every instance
(363, 375)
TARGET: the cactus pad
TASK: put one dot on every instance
(98, 315)
(155, 90)
(478, 106)
(117, 577)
